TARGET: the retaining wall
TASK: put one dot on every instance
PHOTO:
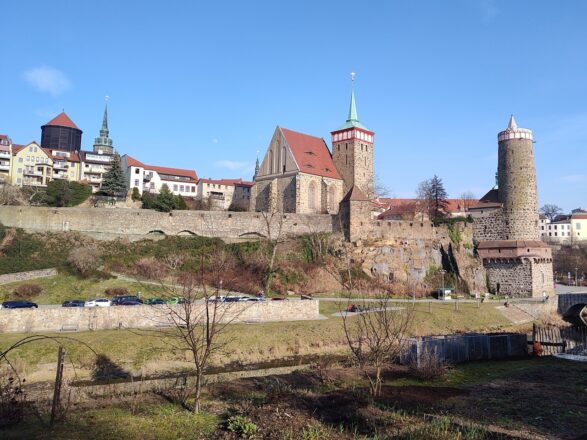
(107, 223)
(104, 318)
(23, 276)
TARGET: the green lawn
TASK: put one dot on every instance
(58, 288)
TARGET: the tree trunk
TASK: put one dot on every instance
(198, 396)
(270, 270)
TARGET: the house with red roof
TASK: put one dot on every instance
(151, 178)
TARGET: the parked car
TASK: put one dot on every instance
(176, 300)
(217, 299)
(236, 298)
(154, 301)
(99, 302)
(278, 298)
(129, 302)
(18, 305)
(117, 300)
(74, 303)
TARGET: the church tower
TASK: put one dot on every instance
(352, 151)
(103, 143)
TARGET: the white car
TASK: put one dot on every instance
(99, 302)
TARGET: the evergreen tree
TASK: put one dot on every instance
(165, 201)
(433, 197)
(113, 181)
(148, 200)
(180, 203)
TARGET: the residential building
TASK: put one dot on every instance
(224, 194)
(31, 165)
(5, 158)
(150, 178)
(66, 164)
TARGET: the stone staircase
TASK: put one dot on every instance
(515, 314)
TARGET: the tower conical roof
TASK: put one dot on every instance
(353, 119)
(512, 125)
(62, 120)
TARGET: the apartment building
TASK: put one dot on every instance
(150, 178)
(226, 194)
(5, 158)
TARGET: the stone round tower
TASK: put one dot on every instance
(516, 178)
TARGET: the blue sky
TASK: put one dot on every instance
(202, 85)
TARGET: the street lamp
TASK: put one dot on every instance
(442, 272)
(576, 269)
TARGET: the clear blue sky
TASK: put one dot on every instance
(202, 85)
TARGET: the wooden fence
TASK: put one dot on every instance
(554, 339)
(466, 347)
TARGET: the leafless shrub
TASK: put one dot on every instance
(430, 367)
(150, 268)
(27, 291)
(376, 337)
(85, 259)
(114, 291)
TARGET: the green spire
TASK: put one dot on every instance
(353, 119)
(104, 130)
(353, 108)
(256, 166)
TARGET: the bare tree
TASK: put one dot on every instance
(380, 189)
(198, 318)
(468, 199)
(551, 211)
(376, 336)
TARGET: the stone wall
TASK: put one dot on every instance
(367, 229)
(520, 278)
(23, 276)
(140, 223)
(517, 189)
(103, 318)
(488, 225)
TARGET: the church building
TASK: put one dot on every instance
(300, 174)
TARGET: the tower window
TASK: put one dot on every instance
(346, 146)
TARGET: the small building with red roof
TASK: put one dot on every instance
(225, 194)
(151, 178)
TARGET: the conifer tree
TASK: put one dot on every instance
(165, 200)
(113, 181)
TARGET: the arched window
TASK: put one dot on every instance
(270, 161)
(312, 196)
(283, 159)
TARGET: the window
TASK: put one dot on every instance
(137, 171)
(174, 187)
(181, 188)
(19, 180)
(19, 171)
(577, 226)
(136, 182)
(193, 189)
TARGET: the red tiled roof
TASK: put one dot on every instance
(311, 154)
(62, 120)
(579, 216)
(73, 155)
(355, 195)
(230, 182)
(162, 170)
(3, 137)
(453, 205)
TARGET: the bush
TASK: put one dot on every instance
(431, 366)
(85, 259)
(27, 291)
(12, 400)
(114, 291)
(62, 193)
(136, 195)
(242, 426)
(150, 268)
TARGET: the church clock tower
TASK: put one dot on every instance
(352, 151)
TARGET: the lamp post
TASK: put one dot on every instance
(442, 272)
(576, 270)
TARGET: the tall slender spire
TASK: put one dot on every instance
(512, 125)
(103, 143)
(353, 118)
(256, 166)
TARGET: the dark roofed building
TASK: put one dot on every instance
(61, 133)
